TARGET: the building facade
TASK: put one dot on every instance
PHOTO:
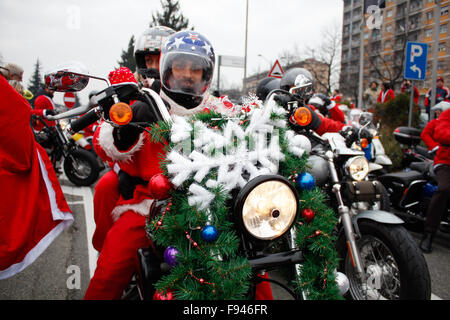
(384, 47)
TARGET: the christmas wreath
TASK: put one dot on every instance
(207, 156)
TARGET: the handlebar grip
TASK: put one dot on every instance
(86, 120)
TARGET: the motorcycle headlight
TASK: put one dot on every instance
(357, 168)
(268, 207)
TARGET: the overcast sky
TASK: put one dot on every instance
(95, 32)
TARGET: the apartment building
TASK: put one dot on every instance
(384, 47)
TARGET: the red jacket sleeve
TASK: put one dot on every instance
(337, 114)
(380, 97)
(427, 135)
(329, 125)
(442, 130)
(16, 136)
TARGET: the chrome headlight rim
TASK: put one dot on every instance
(357, 167)
(247, 190)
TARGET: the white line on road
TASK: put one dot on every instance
(88, 203)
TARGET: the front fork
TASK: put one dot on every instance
(344, 213)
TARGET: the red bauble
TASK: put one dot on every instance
(308, 214)
(159, 186)
(159, 296)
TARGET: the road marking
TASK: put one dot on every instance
(88, 203)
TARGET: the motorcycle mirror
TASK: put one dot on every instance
(67, 77)
(302, 85)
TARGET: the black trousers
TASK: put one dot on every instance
(440, 200)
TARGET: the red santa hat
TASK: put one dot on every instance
(121, 75)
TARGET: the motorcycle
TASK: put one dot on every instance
(80, 166)
(111, 107)
(379, 256)
(409, 139)
(410, 191)
(368, 140)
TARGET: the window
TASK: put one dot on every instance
(444, 11)
(442, 47)
(429, 15)
(389, 13)
(443, 29)
(428, 33)
(389, 28)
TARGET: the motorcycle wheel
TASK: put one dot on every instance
(81, 167)
(394, 265)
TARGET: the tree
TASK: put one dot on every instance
(328, 52)
(127, 56)
(170, 17)
(36, 82)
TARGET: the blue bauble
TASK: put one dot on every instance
(305, 181)
(210, 233)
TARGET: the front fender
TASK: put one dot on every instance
(378, 216)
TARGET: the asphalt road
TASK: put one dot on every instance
(63, 271)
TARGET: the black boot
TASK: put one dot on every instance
(427, 240)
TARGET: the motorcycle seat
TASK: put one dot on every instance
(422, 167)
(405, 178)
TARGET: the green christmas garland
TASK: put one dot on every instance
(213, 270)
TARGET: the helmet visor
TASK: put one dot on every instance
(186, 73)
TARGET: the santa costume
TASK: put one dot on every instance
(33, 209)
(121, 231)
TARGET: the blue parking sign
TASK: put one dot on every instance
(416, 61)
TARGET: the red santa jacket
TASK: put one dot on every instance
(437, 134)
(386, 96)
(33, 209)
(42, 103)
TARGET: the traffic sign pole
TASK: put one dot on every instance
(411, 103)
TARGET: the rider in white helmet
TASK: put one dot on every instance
(147, 53)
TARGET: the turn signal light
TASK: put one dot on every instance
(121, 113)
(364, 143)
(303, 116)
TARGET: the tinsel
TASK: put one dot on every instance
(203, 178)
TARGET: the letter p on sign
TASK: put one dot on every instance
(416, 51)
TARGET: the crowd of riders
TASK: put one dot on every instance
(179, 66)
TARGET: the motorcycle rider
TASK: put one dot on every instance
(44, 106)
(36, 211)
(187, 66)
(147, 53)
(436, 135)
(319, 124)
(327, 107)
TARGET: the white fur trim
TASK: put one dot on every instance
(142, 208)
(106, 142)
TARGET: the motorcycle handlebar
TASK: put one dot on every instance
(69, 114)
(86, 120)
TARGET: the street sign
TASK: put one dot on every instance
(69, 99)
(277, 71)
(232, 61)
(416, 61)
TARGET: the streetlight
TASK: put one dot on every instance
(267, 60)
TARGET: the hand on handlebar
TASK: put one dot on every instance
(48, 112)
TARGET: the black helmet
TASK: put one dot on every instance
(150, 42)
(289, 79)
(265, 86)
(187, 53)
